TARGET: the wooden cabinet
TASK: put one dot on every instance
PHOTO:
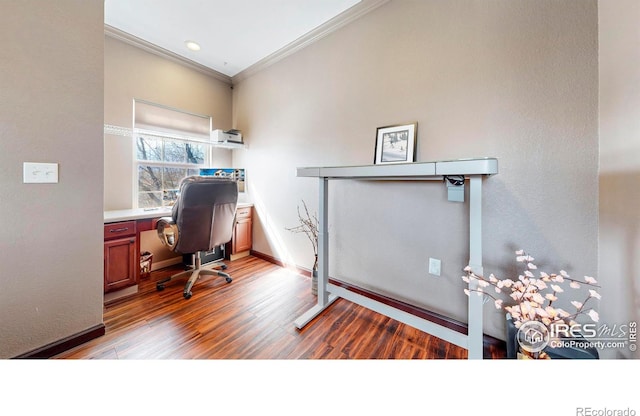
(120, 255)
(241, 241)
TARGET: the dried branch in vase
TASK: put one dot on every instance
(309, 227)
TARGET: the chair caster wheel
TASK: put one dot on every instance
(228, 279)
(187, 295)
(159, 287)
(223, 267)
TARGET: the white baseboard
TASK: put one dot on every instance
(128, 291)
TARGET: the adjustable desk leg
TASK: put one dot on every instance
(324, 298)
(475, 349)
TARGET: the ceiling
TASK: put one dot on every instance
(233, 34)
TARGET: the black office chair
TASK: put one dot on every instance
(202, 219)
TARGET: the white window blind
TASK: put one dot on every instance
(159, 119)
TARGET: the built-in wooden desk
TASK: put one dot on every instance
(122, 230)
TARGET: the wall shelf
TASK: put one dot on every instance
(229, 145)
(129, 132)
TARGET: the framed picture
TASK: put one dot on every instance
(396, 144)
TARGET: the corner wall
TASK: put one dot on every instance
(132, 73)
(516, 80)
(619, 239)
(51, 110)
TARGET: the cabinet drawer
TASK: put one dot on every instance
(244, 212)
(119, 229)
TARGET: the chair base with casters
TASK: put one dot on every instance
(202, 218)
(194, 274)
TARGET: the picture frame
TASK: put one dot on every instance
(396, 144)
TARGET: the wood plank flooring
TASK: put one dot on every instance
(250, 318)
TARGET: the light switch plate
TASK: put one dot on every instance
(39, 172)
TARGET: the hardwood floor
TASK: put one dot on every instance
(250, 318)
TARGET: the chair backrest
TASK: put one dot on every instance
(204, 213)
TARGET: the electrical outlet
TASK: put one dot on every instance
(434, 266)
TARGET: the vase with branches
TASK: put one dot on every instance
(534, 296)
(308, 225)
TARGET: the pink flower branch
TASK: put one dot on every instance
(527, 293)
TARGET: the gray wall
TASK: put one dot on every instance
(51, 110)
(516, 80)
(619, 238)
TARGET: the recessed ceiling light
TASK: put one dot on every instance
(192, 45)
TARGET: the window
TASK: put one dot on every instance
(170, 144)
(162, 162)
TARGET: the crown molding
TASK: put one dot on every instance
(118, 34)
(344, 18)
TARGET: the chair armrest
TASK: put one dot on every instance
(167, 232)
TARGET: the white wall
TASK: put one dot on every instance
(51, 110)
(619, 40)
(516, 80)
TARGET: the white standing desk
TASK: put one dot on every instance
(473, 170)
